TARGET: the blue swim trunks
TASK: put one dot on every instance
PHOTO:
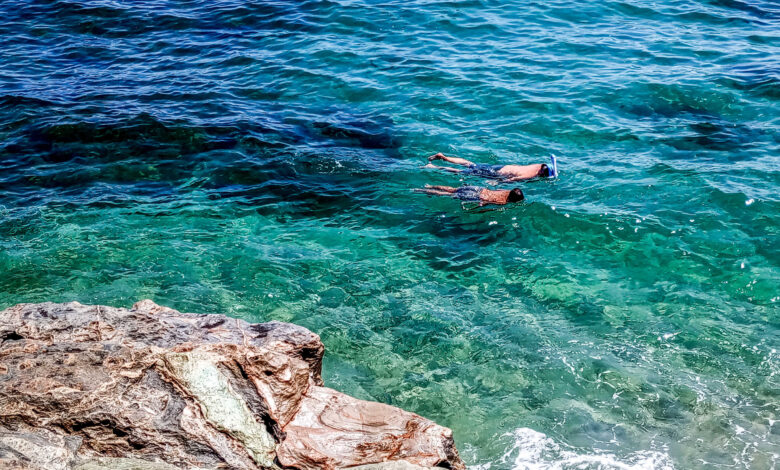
(485, 171)
(468, 193)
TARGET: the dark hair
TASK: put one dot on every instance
(515, 195)
(544, 171)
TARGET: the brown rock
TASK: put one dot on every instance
(333, 430)
(87, 387)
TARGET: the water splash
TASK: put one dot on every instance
(532, 450)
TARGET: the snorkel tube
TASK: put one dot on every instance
(553, 166)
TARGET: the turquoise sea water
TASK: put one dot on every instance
(255, 158)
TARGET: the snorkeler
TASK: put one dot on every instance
(506, 173)
(475, 194)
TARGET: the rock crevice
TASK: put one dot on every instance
(85, 387)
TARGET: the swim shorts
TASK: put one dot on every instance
(468, 193)
(485, 171)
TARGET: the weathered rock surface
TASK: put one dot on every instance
(89, 387)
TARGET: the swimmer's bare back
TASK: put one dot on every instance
(498, 197)
(522, 172)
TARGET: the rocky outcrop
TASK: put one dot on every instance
(88, 387)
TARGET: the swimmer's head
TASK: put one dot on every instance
(544, 171)
(515, 195)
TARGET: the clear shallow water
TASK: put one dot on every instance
(256, 159)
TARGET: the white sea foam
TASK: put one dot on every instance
(532, 450)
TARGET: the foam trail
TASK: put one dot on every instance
(533, 450)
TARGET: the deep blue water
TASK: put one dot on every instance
(257, 159)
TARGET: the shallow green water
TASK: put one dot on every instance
(256, 159)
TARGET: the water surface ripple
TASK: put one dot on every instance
(256, 157)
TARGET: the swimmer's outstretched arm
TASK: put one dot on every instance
(445, 168)
(436, 190)
(455, 160)
(448, 189)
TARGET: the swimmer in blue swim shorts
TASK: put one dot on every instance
(507, 173)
